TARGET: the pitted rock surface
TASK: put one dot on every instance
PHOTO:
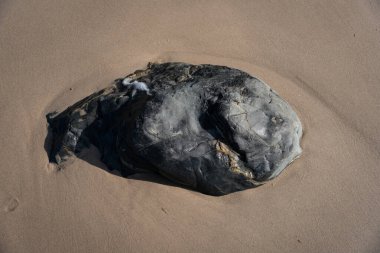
(211, 128)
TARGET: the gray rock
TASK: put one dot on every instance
(211, 128)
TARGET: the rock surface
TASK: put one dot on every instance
(211, 128)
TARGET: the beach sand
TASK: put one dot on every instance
(323, 57)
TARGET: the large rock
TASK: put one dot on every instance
(210, 128)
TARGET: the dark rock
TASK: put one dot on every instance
(210, 128)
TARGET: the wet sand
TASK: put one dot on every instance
(323, 57)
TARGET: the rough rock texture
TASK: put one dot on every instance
(210, 128)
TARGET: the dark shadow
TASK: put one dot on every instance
(48, 143)
(92, 155)
(157, 178)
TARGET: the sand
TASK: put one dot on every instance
(323, 57)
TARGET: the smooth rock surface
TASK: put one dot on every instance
(209, 128)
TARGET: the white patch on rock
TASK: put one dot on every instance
(126, 81)
(135, 85)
